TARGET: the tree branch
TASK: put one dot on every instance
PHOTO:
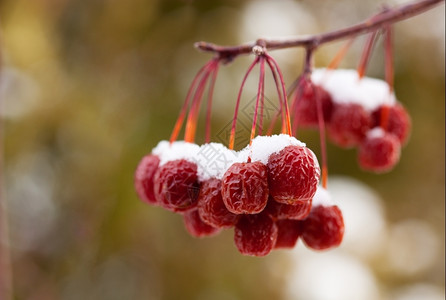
(386, 17)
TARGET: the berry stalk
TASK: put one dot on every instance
(285, 98)
(209, 104)
(182, 115)
(281, 102)
(259, 97)
(362, 66)
(191, 124)
(321, 123)
(340, 55)
(389, 73)
(294, 105)
(237, 104)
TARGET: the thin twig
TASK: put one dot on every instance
(387, 17)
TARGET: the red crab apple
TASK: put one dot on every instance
(255, 235)
(244, 188)
(306, 107)
(398, 121)
(288, 233)
(348, 125)
(293, 174)
(379, 152)
(144, 178)
(211, 207)
(280, 211)
(176, 185)
(195, 225)
(323, 228)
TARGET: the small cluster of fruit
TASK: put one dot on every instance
(264, 191)
(358, 112)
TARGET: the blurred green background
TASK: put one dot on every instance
(89, 87)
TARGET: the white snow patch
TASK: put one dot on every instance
(322, 197)
(376, 132)
(263, 146)
(160, 148)
(214, 159)
(176, 150)
(344, 86)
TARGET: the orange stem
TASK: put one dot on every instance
(279, 94)
(182, 115)
(321, 121)
(191, 124)
(294, 105)
(237, 105)
(389, 58)
(340, 55)
(285, 101)
(209, 105)
(259, 96)
(366, 54)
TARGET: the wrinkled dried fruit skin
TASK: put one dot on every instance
(348, 125)
(288, 233)
(144, 175)
(379, 154)
(306, 110)
(398, 121)
(245, 188)
(255, 235)
(323, 228)
(211, 208)
(176, 185)
(293, 174)
(195, 225)
(279, 211)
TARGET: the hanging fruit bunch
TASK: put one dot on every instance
(273, 191)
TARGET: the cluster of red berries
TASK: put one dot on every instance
(358, 112)
(265, 192)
